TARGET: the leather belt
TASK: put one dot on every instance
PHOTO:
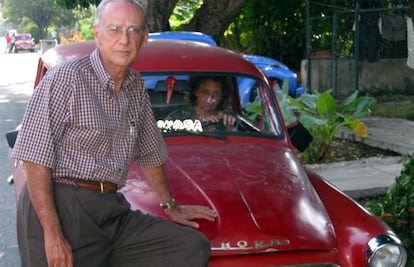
(99, 186)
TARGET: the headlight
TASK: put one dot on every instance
(386, 251)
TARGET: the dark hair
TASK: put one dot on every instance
(196, 81)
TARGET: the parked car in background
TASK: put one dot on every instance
(24, 42)
(275, 70)
(272, 210)
(184, 35)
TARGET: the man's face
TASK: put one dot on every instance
(120, 34)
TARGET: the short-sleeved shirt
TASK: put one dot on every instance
(75, 124)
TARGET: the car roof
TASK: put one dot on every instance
(264, 62)
(173, 54)
(184, 35)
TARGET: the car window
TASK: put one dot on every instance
(173, 101)
(23, 37)
(256, 109)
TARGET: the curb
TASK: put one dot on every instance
(391, 134)
(375, 142)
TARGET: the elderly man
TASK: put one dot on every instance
(76, 142)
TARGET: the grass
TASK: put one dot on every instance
(394, 106)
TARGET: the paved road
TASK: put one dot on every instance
(17, 73)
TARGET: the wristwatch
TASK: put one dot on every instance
(169, 205)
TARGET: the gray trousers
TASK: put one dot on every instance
(103, 231)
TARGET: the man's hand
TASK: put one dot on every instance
(39, 184)
(58, 250)
(185, 214)
(182, 214)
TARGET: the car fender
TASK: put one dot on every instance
(352, 235)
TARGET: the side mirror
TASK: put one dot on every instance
(11, 137)
(299, 136)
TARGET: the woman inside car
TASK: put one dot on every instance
(207, 101)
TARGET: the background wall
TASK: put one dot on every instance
(340, 75)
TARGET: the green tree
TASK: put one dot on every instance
(183, 12)
(277, 29)
(212, 17)
(71, 4)
(41, 12)
(271, 28)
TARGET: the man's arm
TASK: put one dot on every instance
(183, 214)
(39, 185)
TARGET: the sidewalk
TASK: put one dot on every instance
(372, 176)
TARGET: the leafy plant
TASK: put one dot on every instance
(323, 117)
(396, 208)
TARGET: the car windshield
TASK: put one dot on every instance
(232, 104)
(23, 37)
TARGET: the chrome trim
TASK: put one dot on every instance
(378, 242)
(257, 244)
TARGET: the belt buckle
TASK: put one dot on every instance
(101, 184)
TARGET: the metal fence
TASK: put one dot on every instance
(367, 50)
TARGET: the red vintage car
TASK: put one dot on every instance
(272, 211)
(24, 42)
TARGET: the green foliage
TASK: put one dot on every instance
(31, 28)
(85, 28)
(42, 13)
(289, 112)
(253, 110)
(183, 12)
(396, 208)
(323, 117)
(410, 115)
(270, 28)
(76, 3)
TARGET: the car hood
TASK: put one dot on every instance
(262, 195)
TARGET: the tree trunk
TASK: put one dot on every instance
(158, 13)
(214, 17)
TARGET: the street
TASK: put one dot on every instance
(17, 74)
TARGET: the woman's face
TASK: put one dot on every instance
(209, 94)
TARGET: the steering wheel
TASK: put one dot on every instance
(214, 125)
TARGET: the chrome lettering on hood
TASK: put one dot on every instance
(245, 245)
(177, 125)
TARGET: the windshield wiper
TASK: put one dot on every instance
(216, 134)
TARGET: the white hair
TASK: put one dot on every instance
(102, 5)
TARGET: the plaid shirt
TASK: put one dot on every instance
(75, 125)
